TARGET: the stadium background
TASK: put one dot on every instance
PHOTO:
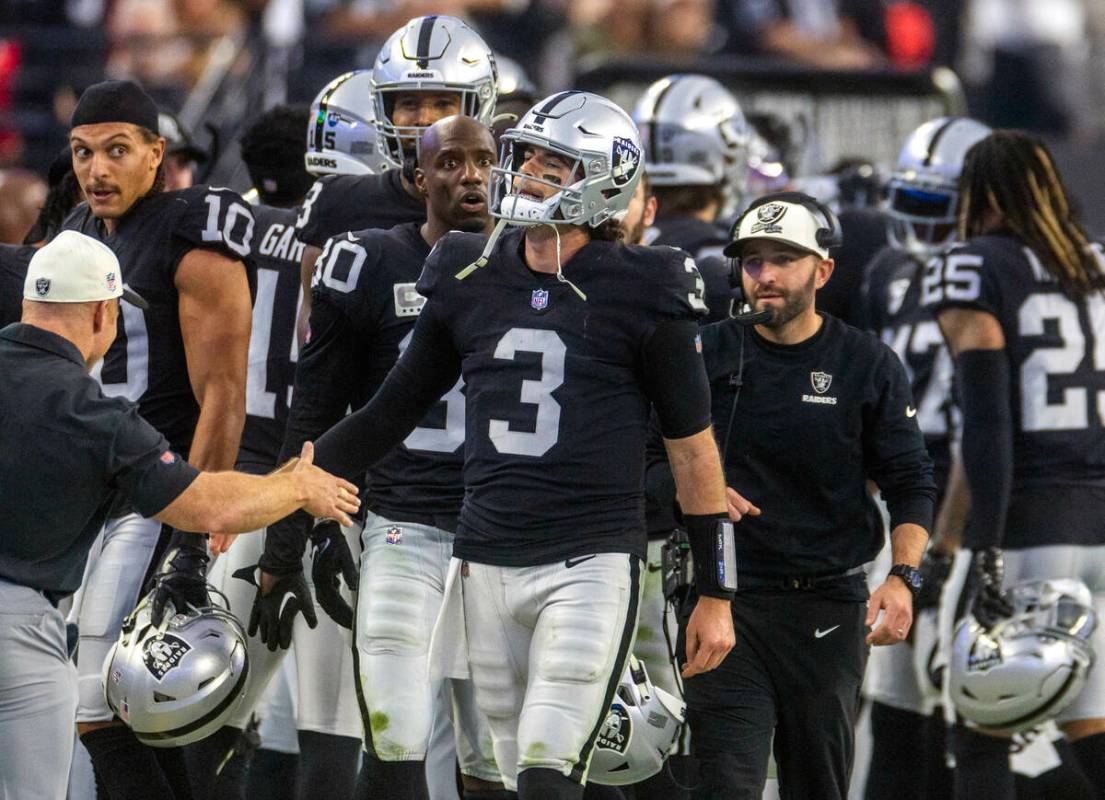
(218, 63)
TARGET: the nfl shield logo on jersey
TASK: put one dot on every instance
(42, 286)
(539, 300)
(821, 381)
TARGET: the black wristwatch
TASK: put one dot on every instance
(911, 577)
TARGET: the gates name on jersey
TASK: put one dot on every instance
(363, 310)
(147, 363)
(1056, 350)
(339, 203)
(556, 411)
(272, 343)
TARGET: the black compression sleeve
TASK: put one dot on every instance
(427, 369)
(983, 378)
(675, 379)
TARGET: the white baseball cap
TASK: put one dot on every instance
(780, 221)
(74, 268)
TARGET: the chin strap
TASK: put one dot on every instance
(482, 260)
(559, 270)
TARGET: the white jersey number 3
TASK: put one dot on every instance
(541, 439)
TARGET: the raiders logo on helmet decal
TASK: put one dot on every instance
(164, 654)
(616, 730)
(624, 160)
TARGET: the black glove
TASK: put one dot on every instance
(182, 577)
(935, 567)
(989, 605)
(274, 613)
(330, 557)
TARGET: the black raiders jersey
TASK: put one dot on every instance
(893, 297)
(556, 412)
(339, 203)
(1056, 350)
(704, 241)
(272, 344)
(13, 272)
(363, 309)
(146, 364)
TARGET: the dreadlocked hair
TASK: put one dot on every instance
(1013, 174)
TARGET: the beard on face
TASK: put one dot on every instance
(794, 303)
(472, 225)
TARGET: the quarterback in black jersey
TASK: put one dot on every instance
(364, 310)
(429, 69)
(13, 270)
(183, 360)
(1020, 303)
(563, 338)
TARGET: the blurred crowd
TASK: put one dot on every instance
(1036, 66)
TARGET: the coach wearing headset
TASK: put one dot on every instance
(807, 410)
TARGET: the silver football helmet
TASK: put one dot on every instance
(341, 130)
(438, 54)
(695, 134)
(513, 80)
(923, 189)
(598, 139)
(639, 731)
(1029, 667)
(177, 683)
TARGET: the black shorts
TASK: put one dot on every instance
(794, 678)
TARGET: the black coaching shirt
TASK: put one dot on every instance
(814, 421)
(67, 453)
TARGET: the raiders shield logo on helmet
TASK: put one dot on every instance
(616, 730)
(42, 286)
(821, 381)
(164, 654)
(624, 160)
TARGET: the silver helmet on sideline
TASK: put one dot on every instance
(177, 683)
(639, 731)
(1028, 667)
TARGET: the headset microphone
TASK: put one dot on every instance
(754, 317)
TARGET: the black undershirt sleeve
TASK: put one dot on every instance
(427, 369)
(675, 379)
(982, 377)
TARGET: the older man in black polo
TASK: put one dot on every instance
(67, 453)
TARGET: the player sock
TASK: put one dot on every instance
(896, 773)
(597, 791)
(126, 768)
(489, 794)
(327, 764)
(392, 780)
(1090, 755)
(982, 767)
(175, 771)
(272, 775)
(206, 756)
(547, 784)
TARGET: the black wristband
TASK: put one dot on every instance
(713, 546)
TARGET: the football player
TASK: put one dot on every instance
(921, 209)
(429, 69)
(183, 360)
(364, 310)
(696, 156)
(272, 149)
(564, 337)
(1020, 304)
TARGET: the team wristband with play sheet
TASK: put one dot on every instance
(715, 554)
